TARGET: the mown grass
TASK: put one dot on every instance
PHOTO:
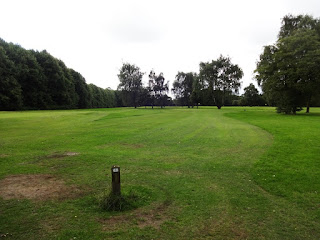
(198, 173)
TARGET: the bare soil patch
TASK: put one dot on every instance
(62, 155)
(4, 155)
(132, 145)
(224, 224)
(141, 218)
(36, 187)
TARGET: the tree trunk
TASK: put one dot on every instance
(223, 98)
(308, 106)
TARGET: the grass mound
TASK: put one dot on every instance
(119, 202)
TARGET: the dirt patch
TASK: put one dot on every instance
(132, 145)
(71, 154)
(4, 155)
(152, 218)
(141, 218)
(224, 227)
(62, 155)
(36, 187)
(51, 225)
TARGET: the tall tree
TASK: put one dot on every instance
(158, 88)
(145, 98)
(196, 91)
(10, 89)
(130, 78)
(251, 96)
(36, 80)
(222, 77)
(291, 23)
(182, 87)
(28, 74)
(81, 89)
(58, 83)
(288, 71)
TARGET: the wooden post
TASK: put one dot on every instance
(116, 189)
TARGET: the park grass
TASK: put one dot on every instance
(234, 173)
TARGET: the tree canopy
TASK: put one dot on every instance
(130, 78)
(183, 87)
(289, 71)
(251, 96)
(222, 77)
(158, 88)
(37, 80)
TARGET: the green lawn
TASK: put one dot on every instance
(234, 173)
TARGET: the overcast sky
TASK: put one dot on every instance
(95, 37)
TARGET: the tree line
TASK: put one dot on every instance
(288, 73)
(36, 80)
(216, 84)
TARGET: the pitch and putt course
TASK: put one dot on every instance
(234, 173)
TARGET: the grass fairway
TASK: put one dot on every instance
(197, 173)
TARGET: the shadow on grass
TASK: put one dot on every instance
(119, 202)
(311, 114)
(126, 201)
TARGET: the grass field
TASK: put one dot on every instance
(234, 173)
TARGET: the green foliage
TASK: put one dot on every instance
(10, 89)
(291, 23)
(81, 89)
(251, 97)
(158, 89)
(222, 77)
(196, 91)
(36, 80)
(130, 78)
(288, 71)
(183, 87)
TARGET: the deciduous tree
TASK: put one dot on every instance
(158, 88)
(10, 89)
(222, 77)
(182, 87)
(251, 95)
(130, 78)
(289, 71)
